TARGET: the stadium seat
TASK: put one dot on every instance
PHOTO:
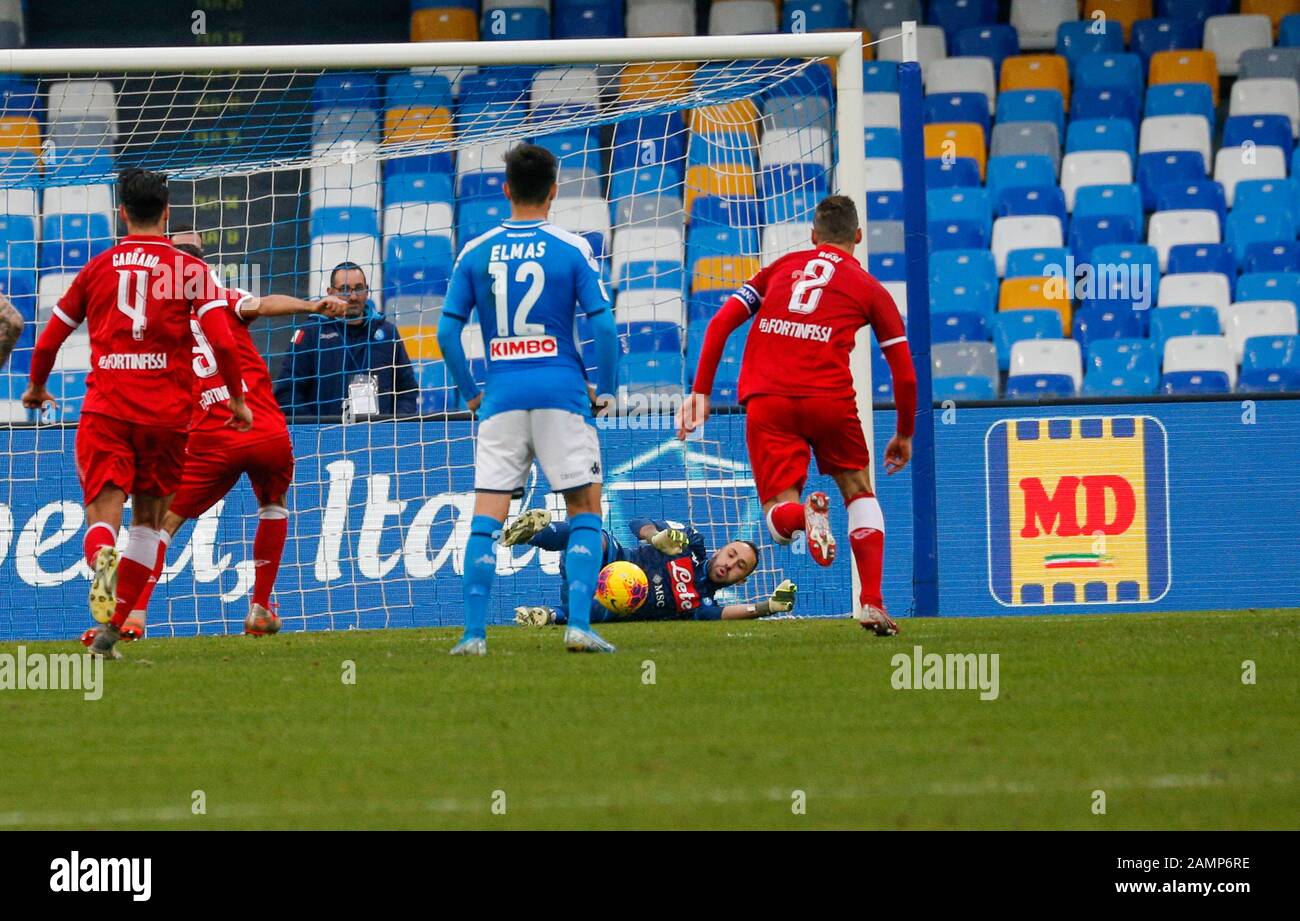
(1032, 106)
(1021, 232)
(1151, 36)
(963, 388)
(1080, 37)
(946, 140)
(1275, 10)
(88, 100)
(958, 172)
(1106, 102)
(587, 19)
(1094, 324)
(1037, 261)
(1037, 21)
(1269, 286)
(742, 17)
(1244, 228)
(1180, 99)
(960, 203)
(962, 75)
(886, 175)
(1162, 133)
(656, 244)
(1111, 71)
(965, 359)
(1019, 325)
(880, 110)
(1169, 166)
(1195, 289)
(1125, 12)
(658, 81)
(661, 17)
(879, 77)
(958, 326)
(955, 107)
(1271, 353)
(1027, 139)
(1011, 172)
(814, 15)
(1208, 358)
(1094, 168)
(1130, 382)
(955, 16)
(995, 42)
(1244, 321)
(888, 237)
(1089, 232)
(885, 206)
(878, 15)
(1185, 67)
(1171, 228)
(1125, 200)
(1230, 168)
(1101, 134)
(1228, 36)
(931, 46)
(726, 272)
(1045, 357)
(1029, 200)
(1289, 34)
(1110, 356)
(1036, 72)
(1267, 97)
(1260, 130)
(1191, 196)
(1132, 271)
(887, 266)
(1168, 322)
(963, 280)
(1270, 63)
(1038, 386)
(1272, 257)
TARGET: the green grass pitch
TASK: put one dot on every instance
(1150, 709)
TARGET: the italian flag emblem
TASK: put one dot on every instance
(1076, 561)
(298, 335)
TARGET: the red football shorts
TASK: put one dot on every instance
(782, 432)
(135, 458)
(214, 465)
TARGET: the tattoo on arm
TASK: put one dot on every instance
(11, 327)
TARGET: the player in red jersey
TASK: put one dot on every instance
(216, 457)
(798, 392)
(138, 299)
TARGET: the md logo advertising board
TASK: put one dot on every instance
(1078, 510)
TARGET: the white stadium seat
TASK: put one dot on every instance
(12, 411)
(1229, 36)
(931, 46)
(75, 353)
(898, 291)
(1024, 232)
(578, 87)
(471, 339)
(1232, 167)
(49, 289)
(1094, 167)
(963, 75)
(24, 202)
(78, 100)
(884, 175)
(1048, 356)
(1195, 289)
(1200, 353)
(795, 145)
(655, 244)
(482, 158)
(1175, 132)
(880, 110)
(742, 17)
(348, 178)
(1168, 229)
(779, 239)
(1267, 96)
(433, 219)
(329, 250)
(79, 199)
(646, 18)
(1037, 21)
(1257, 318)
(581, 215)
(655, 305)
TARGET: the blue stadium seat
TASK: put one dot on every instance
(958, 326)
(17, 242)
(792, 177)
(960, 171)
(1023, 200)
(349, 221)
(652, 371)
(422, 251)
(955, 16)
(1269, 286)
(1105, 102)
(1127, 383)
(588, 19)
(77, 164)
(444, 162)
(1272, 257)
(707, 240)
(647, 274)
(1160, 167)
(405, 188)
(1290, 35)
(963, 280)
(1167, 322)
(1245, 228)
(879, 77)
(815, 15)
(69, 241)
(648, 140)
(1035, 262)
(1264, 196)
(1101, 134)
(1196, 10)
(718, 148)
(995, 41)
(437, 389)
(959, 107)
(702, 305)
(653, 336)
(1114, 71)
(1012, 326)
(576, 149)
(960, 203)
(1093, 230)
(1034, 386)
(479, 216)
(660, 179)
(345, 90)
(1138, 261)
(1150, 36)
(880, 141)
(1011, 172)
(1199, 194)
(885, 206)
(1180, 99)
(482, 185)
(1271, 353)
(887, 266)
(957, 234)
(1262, 130)
(417, 280)
(507, 83)
(964, 388)
(1272, 380)
(1079, 37)
(1111, 356)
(1109, 199)
(1190, 383)
(1032, 106)
(431, 90)
(1097, 323)
(20, 98)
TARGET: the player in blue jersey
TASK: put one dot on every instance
(525, 280)
(683, 577)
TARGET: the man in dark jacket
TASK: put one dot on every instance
(359, 358)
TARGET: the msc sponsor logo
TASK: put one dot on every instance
(1078, 510)
(516, 347)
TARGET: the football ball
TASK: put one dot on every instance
(622, 587)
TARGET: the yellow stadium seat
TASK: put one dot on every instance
(1125, 12)
(1275, 10)
(21, 134)
(739, 116)
(723, 272)
(1042, 293)
(421, 342)
(1036, 72)
(418, 123)
(721, 180)
(444, 25)
(947, 140)
(1186, 67)
(660, 80)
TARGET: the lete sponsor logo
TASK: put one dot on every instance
(681, 572)
(1078, 511)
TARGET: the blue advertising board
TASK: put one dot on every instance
(1065, 509)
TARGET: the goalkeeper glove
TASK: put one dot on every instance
(782, 599)
(670, 541)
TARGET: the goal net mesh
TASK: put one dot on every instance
(685, 177)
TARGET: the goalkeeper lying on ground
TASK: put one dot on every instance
(683, 577)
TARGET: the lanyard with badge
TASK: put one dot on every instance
(363, 387)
